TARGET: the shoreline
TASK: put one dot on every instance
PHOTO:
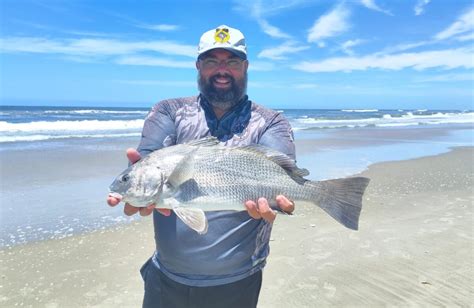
(127, 221)
(402, 254)
(63, 170)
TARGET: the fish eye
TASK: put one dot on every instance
(125, 178)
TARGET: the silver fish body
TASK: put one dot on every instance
(206, 176)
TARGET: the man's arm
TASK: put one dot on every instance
(158, 130)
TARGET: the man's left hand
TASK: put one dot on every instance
(261, 208)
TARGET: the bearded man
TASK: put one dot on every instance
(222, 268)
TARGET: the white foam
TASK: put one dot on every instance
(359, 110)
(70, 126)
(49, 137)
(95, 111)
(44, 130)
(387, 120)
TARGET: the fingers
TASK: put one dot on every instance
(130, 210)
(261, 209)
(164, 212)
(133, 155)
(112, 201)
(265, 211)
(145, 211)
(285, 204)
(252, 209)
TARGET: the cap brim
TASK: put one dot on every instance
(238, 53)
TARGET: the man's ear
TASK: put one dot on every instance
(198, 65)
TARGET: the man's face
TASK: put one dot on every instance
(222, 78)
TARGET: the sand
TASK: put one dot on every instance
(414, 248)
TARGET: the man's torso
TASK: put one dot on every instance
(236, 245)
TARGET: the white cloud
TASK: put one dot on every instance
(93, 47)
(370, 4)
(420, 7)
(153, 61)
(282, 85)
(346, 46)
(465, 23)
(279, 52)
(403, 47)
(87, 33)
(329, 25)
(161, 27)
(165, 83)
(448, 78)
(261, 66)
(305, 86)
(446, 59)
(261, 10)
(269, 7)
(467, 37)
(271, 30)
(266, 85)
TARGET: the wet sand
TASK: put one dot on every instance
(414, 248)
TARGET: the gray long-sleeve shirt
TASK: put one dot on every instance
(235, 246)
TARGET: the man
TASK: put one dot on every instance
(222, 268)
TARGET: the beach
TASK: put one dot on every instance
(413, 248)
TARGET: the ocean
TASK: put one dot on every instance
(57, 162)
(35, 124)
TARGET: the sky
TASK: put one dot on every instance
(380, 54)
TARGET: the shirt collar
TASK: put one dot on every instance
(232, 122)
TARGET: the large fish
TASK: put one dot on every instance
(204, 175)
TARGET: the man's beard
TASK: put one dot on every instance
(223, 99)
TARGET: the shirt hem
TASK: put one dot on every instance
(208, 281)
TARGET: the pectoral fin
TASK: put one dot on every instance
(193, 218)
(183, 171)
(188, 191)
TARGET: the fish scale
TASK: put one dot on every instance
(242, 176)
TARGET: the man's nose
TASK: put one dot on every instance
(222, 66)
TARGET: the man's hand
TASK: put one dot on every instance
(262, 209)
(129, 210)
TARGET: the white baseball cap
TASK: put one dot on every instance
(223, 37)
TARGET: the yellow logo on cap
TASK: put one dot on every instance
(222, 35)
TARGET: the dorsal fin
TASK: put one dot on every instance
(281, 159)
(204, 142)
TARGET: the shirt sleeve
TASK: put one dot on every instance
(158, 130)
(279, 136)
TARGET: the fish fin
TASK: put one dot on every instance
(280, 159)
(204, 142)
(187, 191)
(340, 198)
(183, 171)
(193, 218)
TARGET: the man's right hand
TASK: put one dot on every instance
(129, 210)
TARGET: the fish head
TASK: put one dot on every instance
(139, 185)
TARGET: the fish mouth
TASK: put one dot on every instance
(115, 195)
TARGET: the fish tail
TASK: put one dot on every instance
(340, 198)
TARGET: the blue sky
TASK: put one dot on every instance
(303, 54)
